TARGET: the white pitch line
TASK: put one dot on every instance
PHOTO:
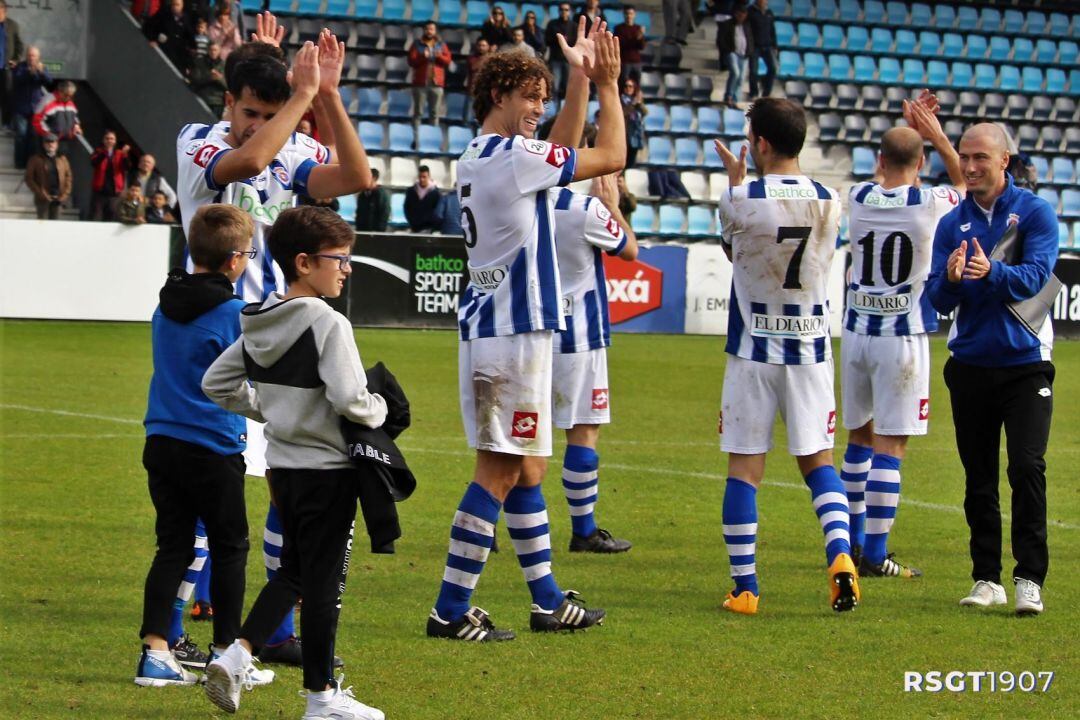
(68, 436)
(68, 413)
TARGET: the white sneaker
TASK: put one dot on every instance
(226, 674)
(1028, 597)
(258, 676)
(984, 594)
(160, 669)
(339, 705)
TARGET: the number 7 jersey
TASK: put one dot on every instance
(782, 232)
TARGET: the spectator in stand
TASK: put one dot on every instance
(564, 26)
(481, 51)
(631, 42)
(734, 43)
(678, 20)
(763, 38)
(634, 111)
(593, 14)
(518, 44)
(422, 202)
(373, 207)
(533, 34)
(171, 30)
(150, 180)
(198, 9)
(496, 29)
(208, 79)
(48, 175)
(225, 32)
(11, 49)
(109, 166)
(57, 115)
(201, 45)
(450, 213)
(330, 203)
(29, 80)
(627, 199)
(429, 57)
(143, 10)
(131, 208)
(159, 212)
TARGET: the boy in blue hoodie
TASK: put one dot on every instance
(193, 452)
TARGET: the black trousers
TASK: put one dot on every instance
(317, 508)
(983, 400)
(761, 86)
(188, 481)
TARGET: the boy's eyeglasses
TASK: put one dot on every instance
(344, 261)
(250, 253)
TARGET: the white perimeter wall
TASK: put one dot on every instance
(81, 270)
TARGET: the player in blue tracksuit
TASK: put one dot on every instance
(1000, 371)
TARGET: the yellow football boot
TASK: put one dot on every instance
(843, 584)
(744, 603)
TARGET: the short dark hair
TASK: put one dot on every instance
(305, 230)
(629, 7)
(502, 74)
(423, 169)
(216, 232)
(375, 173)
(241, 73)
(159, 192)
(901, 149)
(780, 121)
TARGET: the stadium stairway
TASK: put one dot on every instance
(16, 200)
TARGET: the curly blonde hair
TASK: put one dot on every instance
(503, 73)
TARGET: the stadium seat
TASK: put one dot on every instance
(929, 44)
(944, 16)
(832, 37)
(686, 151)
(643, 219)
(873, 11)
(967, 18)
(1032, 78)
(458, 138)
(863, 162)
(372, 135)
(850, 10)
(796, 90)
(896, 13)
(847, 96)
(1065, 109)
(1060, 24)
(888, 70)
(789, 63)
(914, 73)
(953, 129)
(1041, 107)
(366, 9)
(1055, 82)
(656, 117)
(1050, 138)
(990, 19)
(637, 182)
(393, 10)
(347, 208)
(734, 123)
(396, 69)
(1000, 48)
(660, 150)
(976, 47)
(937, 73)
(369, 102)
(699, 220)
(676, 86)
(305, 7)
(682, 119)
(871, 98)
(946, 99)
(396, 38)
(894, 98)
(281, 7)
(1063, 235)
(367, 68)
(807, 36)
(839, 66)
(367, 35)
(402, 138)
(476, 12)
(708, 120)
(701, 88)
(1009, 78)
(450, 12)
(430, 140)
(970, 102)
(709, 157)
(672, 219)
(1016, 107)
(1045, 51)
(905, 42)
(1067, 52)
(1050, 196)
(1014, 22)
(985, 76)
(935, 168)
(1064, 171)
(879, 125)
(857, 38)
(650, 84)
(829, 126)
(1076, 236)
(1027, 138)
(993, 104)
(1070, 203)
(821, 95)
(952, 45)
(826, 9)
(695, 183)
(785, 34)
(403, 171)
(881, 40)
(1022, 49)
(397, 210)
(456, 105)
(1042, 169)
(865, 69)
(921, 15)
(348, 98)
(718, 184)
(399, 104)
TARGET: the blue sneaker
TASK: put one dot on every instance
(157, 671)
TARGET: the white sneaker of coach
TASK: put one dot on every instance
(226, 674)
(984, 594)
(1028, 597)
(338, 704)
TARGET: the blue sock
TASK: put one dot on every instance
(272, 542)
(471, 537)
(202, 585)
(831, 506)
(527, 521)
(740, 533)
(580, 482)
(187, 586)
(882, 497)
(853, 474)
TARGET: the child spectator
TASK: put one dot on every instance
(130, 207)
(300, 357)
(158, 212)
(201, 39)
(193, 452)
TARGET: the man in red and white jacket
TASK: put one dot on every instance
(110, 167)
(57, 115)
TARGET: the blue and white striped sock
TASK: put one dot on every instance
(740, 533)
(187, 585)
(527, 521)
(273, 539)
(853, 474)
(471, 537)
(882, 497)
(831, 506)
(581, 484)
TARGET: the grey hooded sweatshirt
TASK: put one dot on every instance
(305, 374)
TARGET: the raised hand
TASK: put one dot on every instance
(955, 265)
(604, 69)
(331, 62)
(304, 75)
(735, 166)
(267, 29)
(978, 266)
(585, 47)
(604, 188)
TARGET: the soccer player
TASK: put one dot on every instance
(585, 226)
(884, 351)
(779, 232)
(507, 317)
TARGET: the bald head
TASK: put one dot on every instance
(901, 148)
(984, 155)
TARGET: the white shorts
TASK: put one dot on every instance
(755, 391)
(887, 380)
(505, 385)
(579, 389)
(255, 452)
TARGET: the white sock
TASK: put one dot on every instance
(323, 696)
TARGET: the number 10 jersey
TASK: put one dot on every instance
(782, 232)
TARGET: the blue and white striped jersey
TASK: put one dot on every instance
(509, 226)
(198, 150)
(892, 236)
(782, 232)
(583, 229)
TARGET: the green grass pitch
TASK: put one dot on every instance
(76, 539)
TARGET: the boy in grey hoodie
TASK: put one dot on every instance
(305, 373)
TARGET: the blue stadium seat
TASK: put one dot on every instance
(921, 15)
(937, 73)
(914, 72)
(865, 69)
(785, 34)
(251, 5)
(1070, 203)
(699, 220)
(456, 103)
(1014, 22)
(825, 10)
(281, 7)
(881, 40)
(789, 63)
(643, 219)
(1059, 24)
(850, 10)
(1042, 169)
(397, 210)
(399, 104)
(660, 150)
(1074, 81)
(1000, 48)
(814, 66)
(370, 104)
(682, 118)
(657, 118)
(458, 138)
(801, 9)
(962, 75)
(839, 66)
(540, 10)
(393, 10)
(734, 122)
(1022, 49)
(1055, 81)
(402, 138)
(430, 140)
(476, 12)
(1009, 79)
(873, 11)
(1067, 52)
(450, 12)
(857, 38)
(832, 37)
(1032, 78)
(708, 120)
(1063, 235)
(308, 7)
(337, 8)
(1076, 236)
(366, 9)
(985, 76)
(672, 219)
(896, 13)
(710, 158)
(1046, 51)
(935, 167)
(686, 151)
(372, 135)
(967, 18)
(348, 97)
(809, 36)
(905, 42)
(889, 71)
(990, 19)
(1035, 22)
(1051, 196)
(1064, 171)
(976, 47)
(347, 208)
(422, 11)
(953, 45)
(863, 162)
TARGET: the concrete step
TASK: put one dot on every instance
(29, 213)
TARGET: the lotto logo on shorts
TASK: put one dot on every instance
(830, 424)
(924, 408)
(599, 399)
(524, 425)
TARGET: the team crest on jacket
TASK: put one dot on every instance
(1013, 219)
(524, 425)
(282, 175)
